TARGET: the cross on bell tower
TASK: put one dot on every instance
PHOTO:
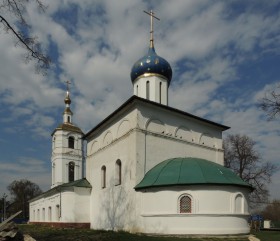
(67, 114)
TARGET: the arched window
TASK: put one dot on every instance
(148, 90)
(71, 142)
(53, 142)
(50, 214)
(238, 204)
(71, 171)
(103, 177)
(57, 214)
(68, 119)
(185, 204)
(118, 172)
(43, 215)
(160, 86)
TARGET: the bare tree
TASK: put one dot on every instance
(271, 103)
(21, 192)
(272, 211)
(21, 31)
(245, 161)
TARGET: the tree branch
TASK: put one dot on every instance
(33, 48)
(271, 104)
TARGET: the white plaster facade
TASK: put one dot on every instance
(61, 206)
(141, 135)
(152, 87)
(68, 200)
(216, 210)
(63, 156)
(122, 149)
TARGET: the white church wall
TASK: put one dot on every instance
(195, 224)
(141, 138)
(174, 121)
(62, 155)
(161, 137)
(212, 210)
(68, 207)
(112, 206)
(205, 199)
(160, 148)
(156, 86)
(62, 207)
(60, 144)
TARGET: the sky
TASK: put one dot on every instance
(225, 57)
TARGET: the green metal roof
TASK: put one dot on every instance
(64, 187)
(189, 171)
(78, 183)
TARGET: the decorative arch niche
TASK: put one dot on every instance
(94, 147)
(108, 138)
(123, 128)
(239, 203)
(184, 133)
(155, 125)
(207, 140)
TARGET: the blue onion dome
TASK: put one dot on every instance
(151, 64)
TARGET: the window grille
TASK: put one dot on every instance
(185, 204)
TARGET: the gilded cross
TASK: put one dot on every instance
(68, 83)
(152, 15)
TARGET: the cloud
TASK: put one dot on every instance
(95, 43)
(26, 168)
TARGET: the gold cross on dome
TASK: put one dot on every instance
(152, 15)
(68, 82)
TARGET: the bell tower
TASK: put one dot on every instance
(67, 148)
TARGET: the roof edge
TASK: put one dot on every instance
(135, 98)
(195, 184)
(60, 188)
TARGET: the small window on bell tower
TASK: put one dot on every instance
(71, 171)
(68, 119)
(71, 142)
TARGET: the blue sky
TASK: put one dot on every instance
(225, 56)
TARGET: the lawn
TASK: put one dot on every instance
(41, 233)
(268, 235)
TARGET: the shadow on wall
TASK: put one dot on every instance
(116, 209)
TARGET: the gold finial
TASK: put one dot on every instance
(152, 14)
(67, 99)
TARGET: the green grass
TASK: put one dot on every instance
(268, 235)
(41, 233)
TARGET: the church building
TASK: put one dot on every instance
(150, 168)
